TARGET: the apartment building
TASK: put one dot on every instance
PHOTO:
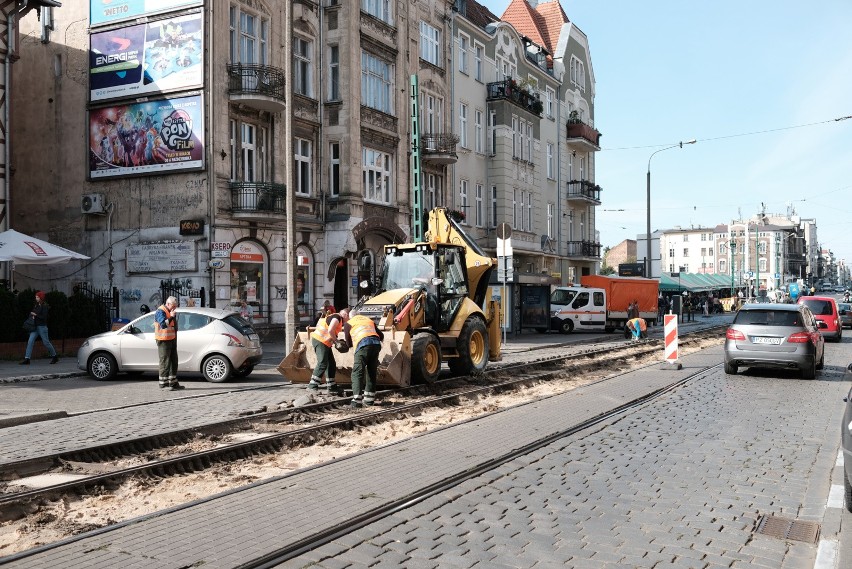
(156, 141)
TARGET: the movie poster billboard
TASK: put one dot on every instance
(112, 11)
(154, 137)
(165, 55)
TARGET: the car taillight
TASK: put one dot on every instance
(732, 334)
(799, 338)
(233, 340)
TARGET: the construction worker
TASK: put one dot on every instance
(362, 334)
(165, 333)
(638, 328)
(323, 337)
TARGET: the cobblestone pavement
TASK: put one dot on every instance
(678, 483)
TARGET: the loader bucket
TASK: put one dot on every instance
(394, 361)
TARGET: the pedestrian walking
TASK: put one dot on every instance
(165, 333)
(362, 334)
(39, 315)
(323, 337)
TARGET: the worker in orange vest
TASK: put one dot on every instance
(362, 334)
(322, 338)
(165, 333)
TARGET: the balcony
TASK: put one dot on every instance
(258, 86)
(584, 191)
(257, 200)
(439, 148)
(509, 90)
(587, 138)
(585, 249)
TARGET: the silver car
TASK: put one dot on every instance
(785, 336)
(219, 344)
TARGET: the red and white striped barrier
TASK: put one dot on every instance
(670, 335)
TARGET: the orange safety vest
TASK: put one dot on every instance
(325, 332)
(170, 331)
(361, 327)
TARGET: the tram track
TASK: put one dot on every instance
(305, 425)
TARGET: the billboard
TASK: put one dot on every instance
(154, 137)
(140, 59)
(112, 11)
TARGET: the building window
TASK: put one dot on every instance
(685, 237)
(334, 73)
(302, 169)
(464, 47)
(478, 52)
(434, 192)
(479, 206)
(376, 83)
(478, 126)
(433, 112)
(302, 67)
(577, 73)
(549, 95)
(492, 132)
(516, 144)
(463, 125)
(463, 204)
(334, 169)
(686, 251)
(249, 152)
(723, 266)
(380, 9)
(529, 224)
(377, 175)
(247, 37)
(529, 142)
(234, 149)
(550, 211)
(430, 41)
(493, 206)
(550, 169)
(671, 253)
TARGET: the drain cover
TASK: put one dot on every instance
(785, 528)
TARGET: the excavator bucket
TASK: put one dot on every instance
(394, 361)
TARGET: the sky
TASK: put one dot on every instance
(758, 83)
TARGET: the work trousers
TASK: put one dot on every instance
(167, 350)
(325, 361)
(366, 363)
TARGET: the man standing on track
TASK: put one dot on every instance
(362, 334)
(165, 332)
(323, 337)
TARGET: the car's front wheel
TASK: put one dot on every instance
(847, 489)
(217, 368)
(102, 366)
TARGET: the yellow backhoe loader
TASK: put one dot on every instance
(433, 304)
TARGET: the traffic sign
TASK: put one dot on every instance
(504, 247)
(777, 275)
(504, 230)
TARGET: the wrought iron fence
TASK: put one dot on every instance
(584, 249)
(438, 143)
(584, 189)
(194, 296)
(254, 78)
(257, 196)
(105, 303)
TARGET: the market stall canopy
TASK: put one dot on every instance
(25, 250)
(694, 282)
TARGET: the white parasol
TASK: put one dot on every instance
(25, 250)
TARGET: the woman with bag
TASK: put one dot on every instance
(38, 319)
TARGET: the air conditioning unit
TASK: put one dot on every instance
(93, 203)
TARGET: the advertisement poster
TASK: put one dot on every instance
(112, 11)
(146, 58)
(155, 137)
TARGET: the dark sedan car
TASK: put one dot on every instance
(785, 336)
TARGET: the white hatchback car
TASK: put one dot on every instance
(219, 344)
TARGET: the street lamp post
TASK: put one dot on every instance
(648, 219)
(733, 246)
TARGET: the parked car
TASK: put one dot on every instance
(785, 336)
(219, 344)
(846, 444)
(844, 309)
(825, 310)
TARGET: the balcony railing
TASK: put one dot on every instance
(261, 86)
(253, 197)
(584, 249)
(439, 148)
(585, 191)
(577, 129)
(509, 90)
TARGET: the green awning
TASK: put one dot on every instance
(694, 282)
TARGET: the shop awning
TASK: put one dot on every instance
(693, 282)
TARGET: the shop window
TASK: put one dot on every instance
(305, 312)
(248, 262)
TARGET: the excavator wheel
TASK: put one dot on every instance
(425, 358)
(472, 345)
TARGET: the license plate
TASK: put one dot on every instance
(761, 340)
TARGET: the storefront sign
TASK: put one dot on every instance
(192, 227)
(220, 249)
(155, 137)
(246, 252)
(216, 264)
(139, 59)
(167, 257)
(111, 11)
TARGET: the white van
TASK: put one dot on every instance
(578, 308)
